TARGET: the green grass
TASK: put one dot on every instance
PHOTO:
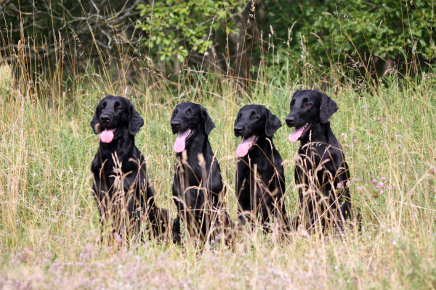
(49, 221)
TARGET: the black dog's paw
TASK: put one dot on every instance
(164, 221)
(176, 231)
(358, 220)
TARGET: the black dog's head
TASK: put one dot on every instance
(114, 114)
(308, 107)
(188, 120)
(254, 122)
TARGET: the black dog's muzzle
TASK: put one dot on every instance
(290, 120)
(105, 119)
(239, 130)
(175, 126)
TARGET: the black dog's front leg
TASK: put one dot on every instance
(306, 201)
(177, 238)
(176, 231)
(342, 193)
(101, 198)
(243, 193)
(158, 217)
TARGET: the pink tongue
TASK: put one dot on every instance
(293, 137)
(107, 136)
(179, 145)
(244, 146)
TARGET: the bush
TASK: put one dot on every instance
(344, 30)
(174, 28)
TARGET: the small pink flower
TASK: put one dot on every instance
(339, 185)
(117, 238)
(397, 135)
(346, 145)
(399, 146)
(378, 119)
(374, 180)
(359, 188)
(388, 187)
(383, 178)
(355, 140)
(390, 180)
(348, 183)
(351, 129)
(381, 184)
(38, 184)
(381, 191)
(355, 179)
(343, 134)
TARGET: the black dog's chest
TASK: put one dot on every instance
(107, 171)
(309, 156)
(319, 158)
(190, 172)
(255, 175)
(259, 160)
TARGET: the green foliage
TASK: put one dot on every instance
(175, 27)
(45, 25)
(333, 31)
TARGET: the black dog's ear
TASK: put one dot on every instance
(272, 123)
(95, 120)
(136, 121)
(208, 123)
(327, 108)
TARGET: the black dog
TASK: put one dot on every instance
(198, 188)
(321, 173)
(121, 185)
(260, 181)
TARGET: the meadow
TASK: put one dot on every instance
(49, 220)
(49, 229)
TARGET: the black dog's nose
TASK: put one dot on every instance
(104, 118)
(290, 120)
(238, 131)
(175, 124)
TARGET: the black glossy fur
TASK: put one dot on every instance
(321, 164)
(132, 194)
(198, 188)
(261, 197)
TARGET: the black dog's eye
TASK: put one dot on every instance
(103, 105)
(307, 104)
(253, 117)
(239, 115)
(292, 103)
(119, 108)
(188, 112)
